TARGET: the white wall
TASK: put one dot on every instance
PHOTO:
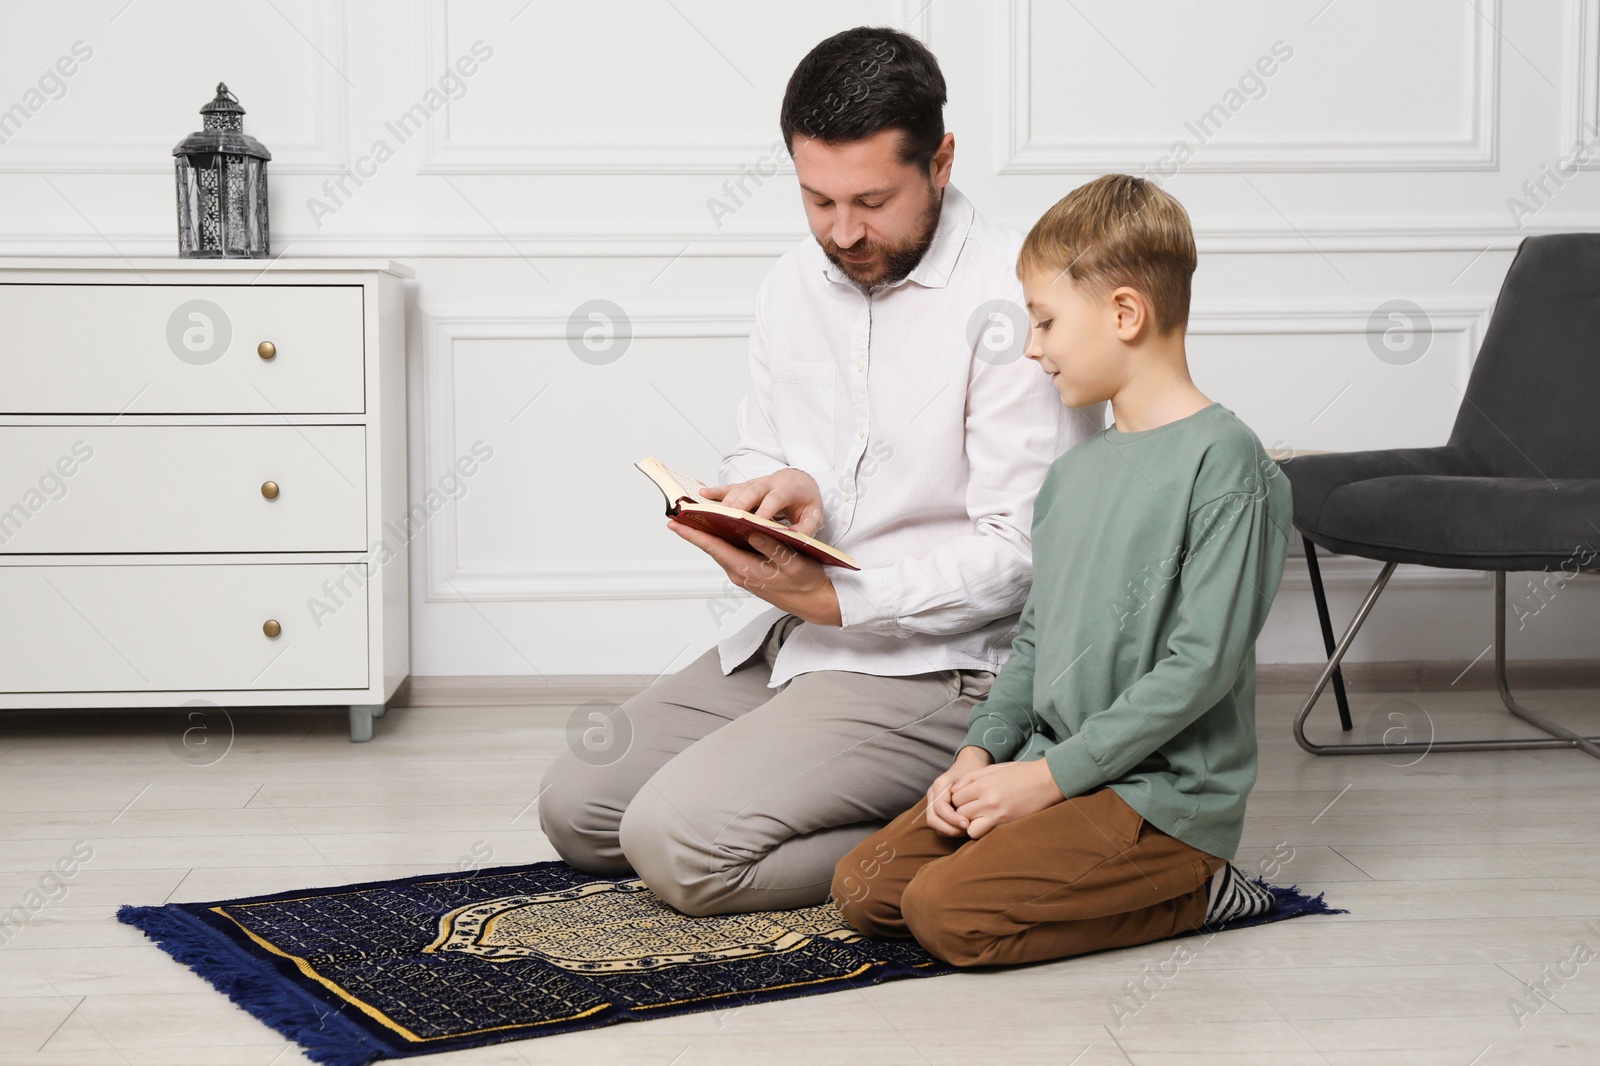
(579, 158)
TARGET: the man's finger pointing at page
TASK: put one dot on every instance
(803, 512)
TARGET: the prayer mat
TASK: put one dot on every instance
(390, 969)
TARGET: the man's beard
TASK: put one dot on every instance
(898, 261)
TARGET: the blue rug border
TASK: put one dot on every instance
(274, 991)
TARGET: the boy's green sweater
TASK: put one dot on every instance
(1156, 556)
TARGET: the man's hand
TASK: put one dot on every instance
(942, 815)
(993, 795)
(778, 574)
(788, 492)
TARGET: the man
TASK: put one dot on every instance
(885, 364)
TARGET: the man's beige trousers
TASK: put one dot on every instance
(730, 796)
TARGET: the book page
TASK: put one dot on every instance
(691, 486)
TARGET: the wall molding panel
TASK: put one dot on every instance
(446, 578)
(327, 152)
(1025, 153)
(1580, 119)
(444, 154)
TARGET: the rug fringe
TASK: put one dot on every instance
(254, 985)
(1289, 897)
(1287, 902)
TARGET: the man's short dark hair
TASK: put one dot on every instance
(863, 80)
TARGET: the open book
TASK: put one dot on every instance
(685, 503)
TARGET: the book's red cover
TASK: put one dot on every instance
(733, 529)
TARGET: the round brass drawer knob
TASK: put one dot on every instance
(269, 489)
(266, 349)
(271, 627)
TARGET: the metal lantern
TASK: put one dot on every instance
(222, 186)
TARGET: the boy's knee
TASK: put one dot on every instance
(866, 906)
(943, 929)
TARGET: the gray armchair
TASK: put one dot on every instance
(1516, 487)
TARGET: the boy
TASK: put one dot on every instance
(1101, 791)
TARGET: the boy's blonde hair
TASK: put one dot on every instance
(1118, 230)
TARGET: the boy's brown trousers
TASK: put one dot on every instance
(1081, 875)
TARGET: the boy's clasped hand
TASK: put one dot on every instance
(976, 793)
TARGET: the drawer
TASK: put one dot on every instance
(101, 489)
(182, 627)
(180, 349)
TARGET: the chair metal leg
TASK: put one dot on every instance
(1327, 630)
(1532, 717)
(1333, 664)
(1560, 737)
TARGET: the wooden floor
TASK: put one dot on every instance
(1466, 876)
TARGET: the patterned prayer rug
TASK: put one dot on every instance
(389, 969)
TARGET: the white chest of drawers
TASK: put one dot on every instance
(203, 484)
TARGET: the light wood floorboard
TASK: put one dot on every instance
(1466, 875)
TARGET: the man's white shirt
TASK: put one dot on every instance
(928, 434)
